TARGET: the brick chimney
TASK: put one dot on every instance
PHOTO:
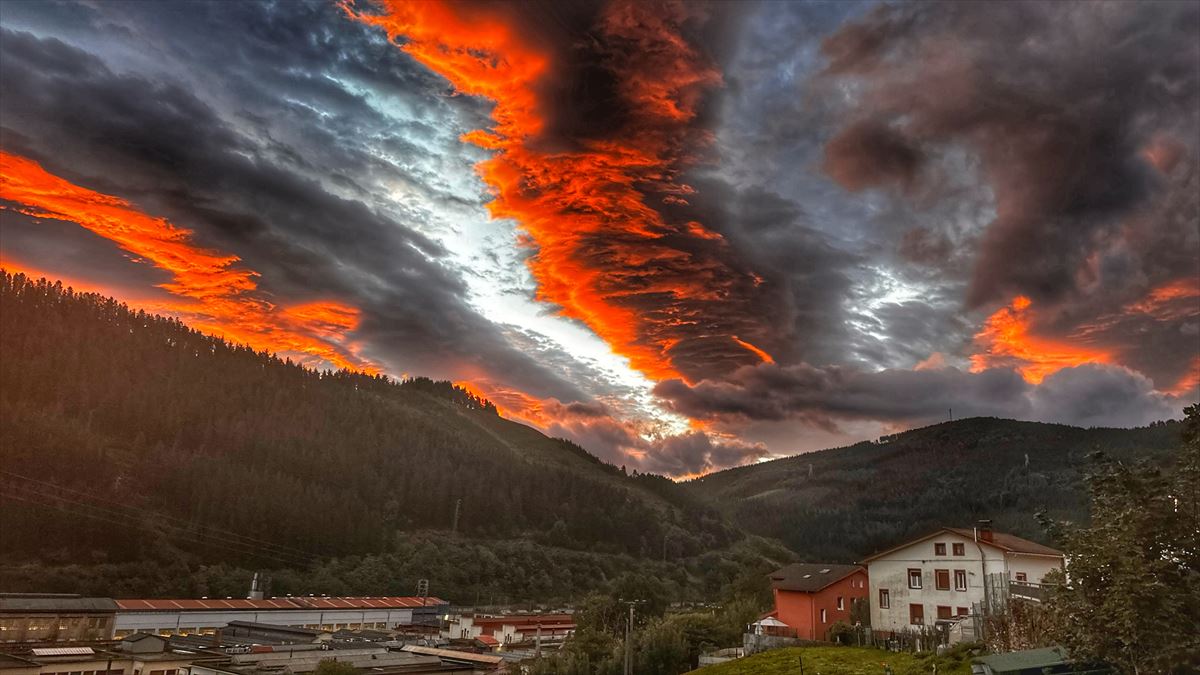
(983, 530)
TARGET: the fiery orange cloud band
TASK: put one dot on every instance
(602, 253)
(1007, 340)
(216, 295)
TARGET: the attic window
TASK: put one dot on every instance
(807, 576)
(825, 571)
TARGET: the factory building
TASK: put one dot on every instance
(55, 617)
(207, 616)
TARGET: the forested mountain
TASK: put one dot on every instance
(125, 434)
(140, 457)
(843, 504)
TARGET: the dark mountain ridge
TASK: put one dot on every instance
(141, 457)
(134, 411)
(842, 504)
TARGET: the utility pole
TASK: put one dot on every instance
(628, 643)
(628, 670)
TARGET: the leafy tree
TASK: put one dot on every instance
(1131, 592)
(333, 667)
(662, 649)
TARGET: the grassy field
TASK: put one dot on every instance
(841, 661)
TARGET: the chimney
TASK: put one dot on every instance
(255, 592)
(983, 530)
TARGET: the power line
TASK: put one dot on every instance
(120, 516)
(88, 511)
(35, 496)
(183, 523)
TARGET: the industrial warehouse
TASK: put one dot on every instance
(54, 617)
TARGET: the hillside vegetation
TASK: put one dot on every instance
(129, 438)
(143, 457)
(842, 661)
(845, 503)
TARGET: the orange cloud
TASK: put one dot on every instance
(765, 357)
(604, 256)
(1173, 300)
(215, 294)
(509, 403)
(1006, 340)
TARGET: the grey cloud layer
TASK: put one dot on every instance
(304, 85)
(888, 191)
(1087, 395)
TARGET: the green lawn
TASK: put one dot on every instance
(841, 661)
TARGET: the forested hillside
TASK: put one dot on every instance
(126, 435)
(844, 503)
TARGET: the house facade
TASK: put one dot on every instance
(811, 597)
(940, 576)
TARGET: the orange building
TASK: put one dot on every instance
(811, 597)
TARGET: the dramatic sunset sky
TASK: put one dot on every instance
(684, 235)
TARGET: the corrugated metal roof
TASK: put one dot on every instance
(27, 602)
(154, 605)
(63, 651)
(452, 654)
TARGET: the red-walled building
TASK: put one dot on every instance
(811, 597)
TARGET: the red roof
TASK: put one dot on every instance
(1010, 542)
(487, 640)
(273, 603)
(1000, 540)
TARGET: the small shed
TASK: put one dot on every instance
(143, 643)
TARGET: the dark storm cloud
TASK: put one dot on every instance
(821, 255)
(780, 392)
(151, 140)
(1058, 99)
(869, 153)
(793, 305)
(1095, 395)
(1084, 395)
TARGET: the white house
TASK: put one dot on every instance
(941, 575)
